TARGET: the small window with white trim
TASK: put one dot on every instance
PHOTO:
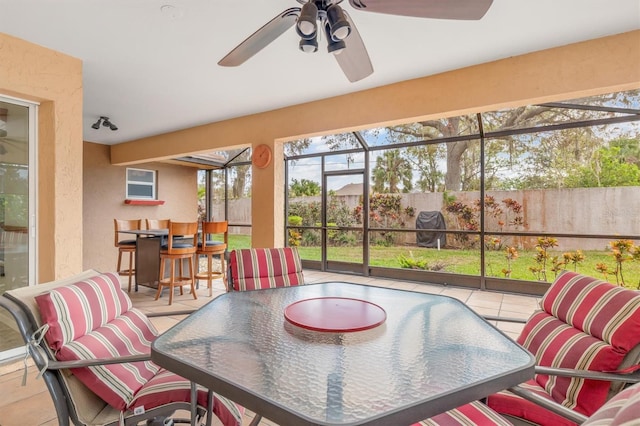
(141, 184)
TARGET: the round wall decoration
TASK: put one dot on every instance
(261, 156)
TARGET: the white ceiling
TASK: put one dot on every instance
(152, 72)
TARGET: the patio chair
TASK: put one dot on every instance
(586, 339)
(92, 348)
(622, 409)
(585, 327)
(261, 268)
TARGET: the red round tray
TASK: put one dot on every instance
(335, 314)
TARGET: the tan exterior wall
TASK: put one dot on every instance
(598, 66)
(104, 195)
(31, 72)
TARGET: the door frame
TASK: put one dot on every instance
(32, 167)
(336, 266)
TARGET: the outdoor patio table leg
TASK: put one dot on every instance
(209, 407)
(256, 420)
(194, 403)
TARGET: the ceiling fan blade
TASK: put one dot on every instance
(436, 9)
(261, 38)
(354, 59)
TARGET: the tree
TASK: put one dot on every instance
(606, 168)
(240, 181)
(462, 165)
(444, 128)
(629, 149)
(303, 188)
(217, 185)
(544, 160)
(296, 147)
(391, 171)
(425, 159)
(514, 161)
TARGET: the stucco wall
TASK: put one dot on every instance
(598, 66)
(31, 72)
(104, 195)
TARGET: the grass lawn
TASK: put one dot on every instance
(465, 261)
(468, 261)
(239, 241)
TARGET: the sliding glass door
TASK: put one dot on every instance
(17, 209)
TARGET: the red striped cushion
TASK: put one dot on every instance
(94, 319)
(507, 403)
(167, 387)
(598, 308)
(474, 413)
(585, 324)
(64, 308)
(253, 269)
(622, 409)
(558, 345)
(117, 384)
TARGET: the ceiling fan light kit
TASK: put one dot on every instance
(340, 28)
(309, 45)
(334, 46)
(343, 38)
(306, 23)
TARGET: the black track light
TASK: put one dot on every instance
(105, 122)
(109, 124)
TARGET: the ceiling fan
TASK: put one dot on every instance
(343, 39)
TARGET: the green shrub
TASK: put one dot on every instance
(295, 220)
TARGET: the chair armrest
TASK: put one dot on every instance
(633, 377)
(505, 319)
(59, 365)
(169, 313)
(549, 405)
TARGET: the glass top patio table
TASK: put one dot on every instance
(431, 354)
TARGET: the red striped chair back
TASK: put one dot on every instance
(260, 268)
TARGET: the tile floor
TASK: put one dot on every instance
(31, 405)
